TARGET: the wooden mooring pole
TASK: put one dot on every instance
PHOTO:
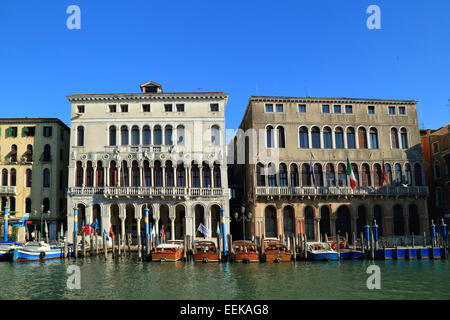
(83, 238)
(105, 247)
(113, 251)
(119, 243)
(75, 246)
(65, 246)
(96, 243)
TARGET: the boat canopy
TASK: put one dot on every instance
(168, 246)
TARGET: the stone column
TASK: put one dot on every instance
(172, 229)
(317, 229)
(164, 176)
(333, 225)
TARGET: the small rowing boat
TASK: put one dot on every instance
(206, 251)
(275, 251)
(171, 251)
(36, 251)
(245, 251)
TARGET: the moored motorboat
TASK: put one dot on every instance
(36, 251)
(332, 242)
(5, 249)
(320, 251)
(170, 251)
(206, 251)
(275, 251)
(245, 251)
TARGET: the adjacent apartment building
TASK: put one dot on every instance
(436, 153)
(33, 164)
(152, 149)
(290, 155)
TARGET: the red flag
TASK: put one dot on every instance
(385, 177)
(111, 233)
(163, 234)
(86, 229)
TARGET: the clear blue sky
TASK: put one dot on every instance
(234, 46)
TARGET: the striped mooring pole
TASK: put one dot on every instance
(433, 233)
(146, 228)
(224, 233)
(367, 236)
(375, 233)
(75, 224)
(5, 230)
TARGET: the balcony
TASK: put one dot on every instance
(4, 190)
(140, 192)
(342, 191)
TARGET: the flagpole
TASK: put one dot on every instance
(75, 223)
(224, 237)
(146, 228)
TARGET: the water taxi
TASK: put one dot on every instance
(206, 251)
(245, 251)
(319, 251)
(171, 251)
(275, 251)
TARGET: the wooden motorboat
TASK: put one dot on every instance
(245, 251)
(206, 251)
(275, 251)
(320, 251)
(172, 250)
(332, 242)
(35, 251)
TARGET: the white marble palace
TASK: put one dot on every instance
(164, 151)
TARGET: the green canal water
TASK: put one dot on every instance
(125, 278)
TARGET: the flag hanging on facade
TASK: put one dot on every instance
(385, 177)
(62, 232)
(46, 228)
(218, 229)
(350, 173)
(206, 232)
(163, 235)
(111, 233)
(311, 172)
(106, 235)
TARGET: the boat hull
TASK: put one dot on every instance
(246, 257)
(167, 256)
(331, 256)
(277, 257)
(24, 255)
(206, 257)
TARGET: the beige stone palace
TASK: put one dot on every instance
(298, 138)
(164, 151)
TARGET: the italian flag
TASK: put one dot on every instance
(351, 175)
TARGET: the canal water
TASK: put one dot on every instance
(125, 278)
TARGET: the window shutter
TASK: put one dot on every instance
(24, 131)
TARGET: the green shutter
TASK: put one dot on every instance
(24, 131)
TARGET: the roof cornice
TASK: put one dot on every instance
(148, 96)
(329, 100)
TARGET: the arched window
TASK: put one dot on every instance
(181, 182)
(389, 173)
(315, 136)
(437, 170)
(362, 138)
(404, 138)
(408, 176)
(136, 179)
(339, 138)
(398, 174)
(28, 178)
(46, 204)
(112, 136)
(47, 153)
(217, 176)
(195, 176)
(351, 138)
(206, 175)
(146, 136)
(309, 222)
(272, 175)
(13, 153)
(124, 135)
(124, 176)
(100, 175)
(180, 135)
(215, 135)
(378, 217)
(269, 136)
(271, 221)
(356, 173)
(113, 174)
(294, 175)
(4, 177)
(327, 141)
(342, 175)
(373, 138)
(147, 174)
(331, 180)
(13, 177)
(318, 172)
(260, 178)
(89, 175)
(168, 135)
(365, 175)
(378, 175)
(394, 138)
(135, 134)
(80, 136)
(418, 174)
(303, 137)
(46, 178)
(283, 175)
(79, 175)
(157, 135)
(281, 137)
(29, 153)
(28, 205)
(306, 177)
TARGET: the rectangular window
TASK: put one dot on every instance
(145, 108)
(279, 108)
(435, 147)
(371, 109)
(401, 110)
(168, 108)
(29, 131)
(47, 131)
(349, 109)
(180, 107)
(391, 110)
(80, 109)
(214, 107)
(325, 108)
(269, 107)
(123, 108)
(373, 141)
(112, 108)
(337, 108)
(302, 108)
